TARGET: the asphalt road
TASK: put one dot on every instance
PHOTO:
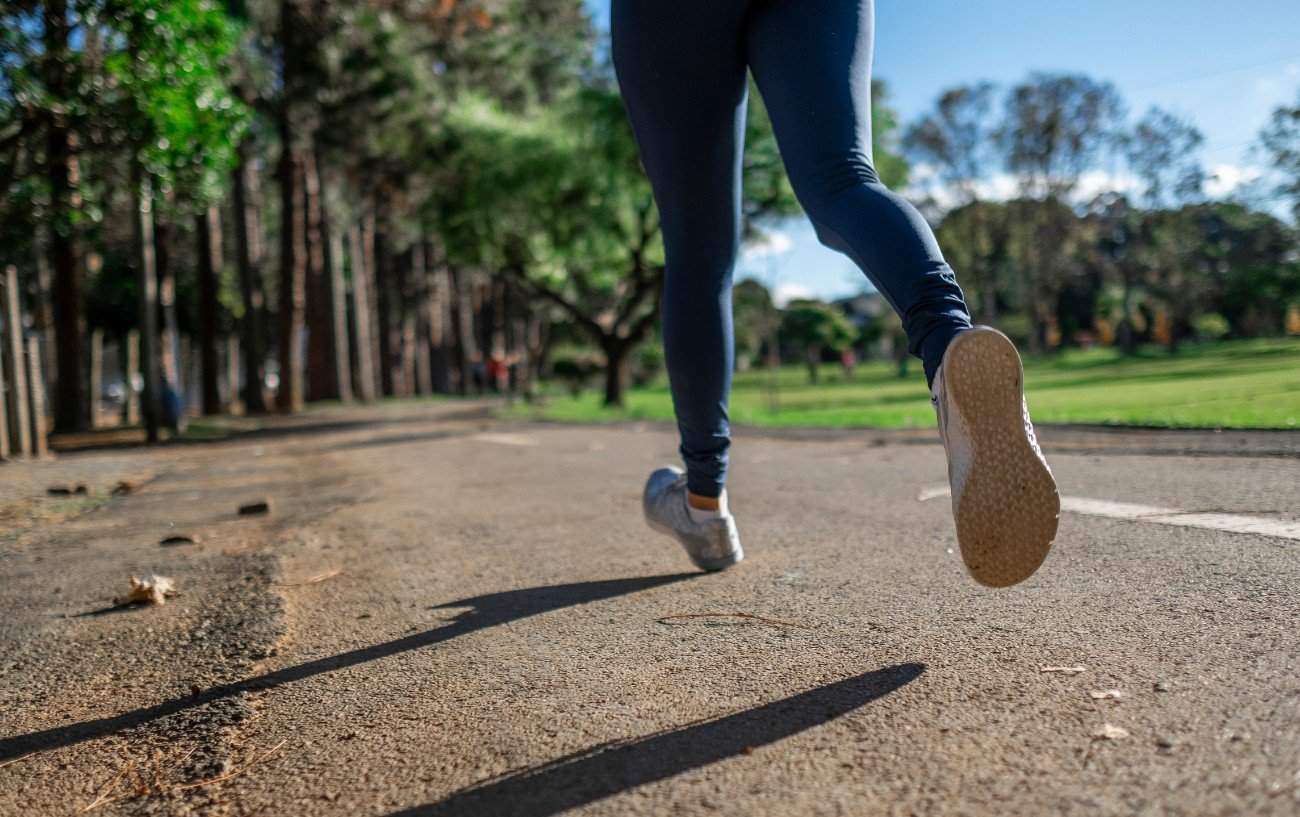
(443, 615)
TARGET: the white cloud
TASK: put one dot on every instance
(785, 293)
(1096, 182)
(1225, 178)
(771, 243)
(1003, 186)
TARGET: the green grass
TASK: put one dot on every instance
(1236, 384)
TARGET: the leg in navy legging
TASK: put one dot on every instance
(812, 62)
(681, 68)
(681, 65)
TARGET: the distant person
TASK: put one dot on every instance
(682, 66)
(848, 362)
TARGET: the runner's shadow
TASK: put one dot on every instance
(605, 770)
(485, 611)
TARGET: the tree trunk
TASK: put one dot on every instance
(293, 273)
(208, 228)
(616, 360)
(335, 295)
(420, 341)
(64, 253)
(232, 372)
(408, 283)
(248, 245)
(440, 329)
(388, 325)
(43, 314)
(170, 350)
(15, 395)
(147, 281)
(322, 377)
(361, 313)
(466, 348)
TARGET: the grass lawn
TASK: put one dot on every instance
(1235, 384)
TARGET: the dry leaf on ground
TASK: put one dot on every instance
(153, 590)
(1065, 670)
(1104, 694)
(1110, 731)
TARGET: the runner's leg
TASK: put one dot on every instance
(812, 62)
(681, 68)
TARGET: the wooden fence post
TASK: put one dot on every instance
(132, 375)
(4, 414)
(19, 423)
(232, 373)
(96, 375)
(36, 395)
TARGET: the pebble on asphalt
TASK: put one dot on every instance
(261, 506)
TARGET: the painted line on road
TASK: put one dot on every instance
(505, 439)
(1229, 522)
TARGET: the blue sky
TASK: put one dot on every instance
(1223, 65)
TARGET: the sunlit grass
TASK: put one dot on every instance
(1238, 384)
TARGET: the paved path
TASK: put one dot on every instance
(447, 616)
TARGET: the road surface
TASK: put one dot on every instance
(446, 615)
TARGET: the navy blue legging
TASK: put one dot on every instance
(681, 66)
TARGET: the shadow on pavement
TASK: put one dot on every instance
(486, 611)
(605, 770)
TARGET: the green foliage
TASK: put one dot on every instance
(649, 363)
(1212, 326)
(816, 328)
(755, 318)
(1280, 140)
(171, 96)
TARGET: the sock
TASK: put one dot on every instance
(705, 514)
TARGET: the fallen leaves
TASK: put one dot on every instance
(1064, 670)
(135, 780)
(153, 590)
(317, 579)
(1106, 694)
(1109, 731)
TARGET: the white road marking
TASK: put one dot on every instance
(505, 439)
(934, 493)
(1229, 522)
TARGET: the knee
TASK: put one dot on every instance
(829, 190)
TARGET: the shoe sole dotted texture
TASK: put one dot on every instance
(1009, 507)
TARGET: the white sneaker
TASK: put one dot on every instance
(1004, 497)
(713, 544)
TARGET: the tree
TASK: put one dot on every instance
(559, 202)
(755, 318)
(815, 328)
(45, 99)
(1161, 152)
(1280, 140)
(1055, 127)
(955, 139)
(179, 123)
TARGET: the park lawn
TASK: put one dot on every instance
(1234, 384)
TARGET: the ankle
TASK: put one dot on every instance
(704, 508)
(704, 503)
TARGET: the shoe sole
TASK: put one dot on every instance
(711, 565)
(1009, 507)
